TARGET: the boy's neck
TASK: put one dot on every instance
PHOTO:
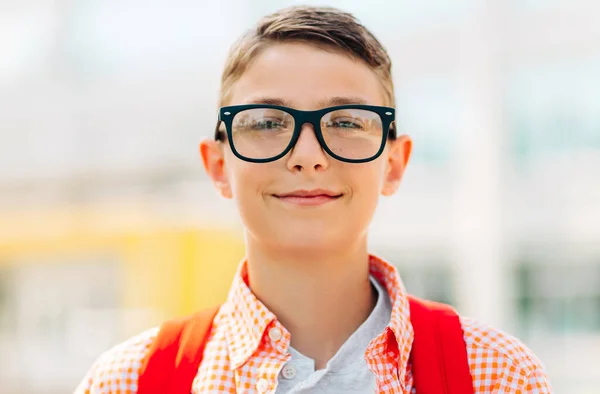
(321, 299)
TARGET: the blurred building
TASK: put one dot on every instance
(108, 225)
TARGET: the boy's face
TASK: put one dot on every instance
(269, 196)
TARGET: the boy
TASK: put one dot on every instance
(305, 144)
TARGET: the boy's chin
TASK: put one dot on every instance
(310, 240)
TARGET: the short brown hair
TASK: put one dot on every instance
(321, 26)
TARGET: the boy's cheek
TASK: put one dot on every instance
(246, 180)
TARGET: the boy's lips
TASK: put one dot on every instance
(309, 197)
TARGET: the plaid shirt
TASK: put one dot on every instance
(248, 349)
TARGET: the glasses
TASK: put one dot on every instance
(261, 133)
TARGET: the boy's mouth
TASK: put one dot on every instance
(309, 197)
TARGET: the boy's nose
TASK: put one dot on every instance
(307, 154)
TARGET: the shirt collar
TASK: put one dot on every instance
(400, 329)
(247, 318)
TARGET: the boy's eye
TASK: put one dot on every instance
(262, 120)
(267, 124)
(344, 123)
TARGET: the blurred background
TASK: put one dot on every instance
(108, 224)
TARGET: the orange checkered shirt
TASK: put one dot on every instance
(240, 358)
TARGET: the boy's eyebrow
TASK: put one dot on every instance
(342, 100)
(270, 101)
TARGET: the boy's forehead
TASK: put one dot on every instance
(300, 75)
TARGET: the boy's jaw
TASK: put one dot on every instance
(308, 198)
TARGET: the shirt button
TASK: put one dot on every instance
(275, 334)
(262, 385)
(289, 371)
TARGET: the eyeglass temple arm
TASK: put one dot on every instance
(392, 130)
(219, 135)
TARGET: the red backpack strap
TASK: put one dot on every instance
(175, 355)
(440, 364)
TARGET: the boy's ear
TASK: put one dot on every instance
(398, 154)
(214, 164)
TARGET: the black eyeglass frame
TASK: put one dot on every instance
(228, 113)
